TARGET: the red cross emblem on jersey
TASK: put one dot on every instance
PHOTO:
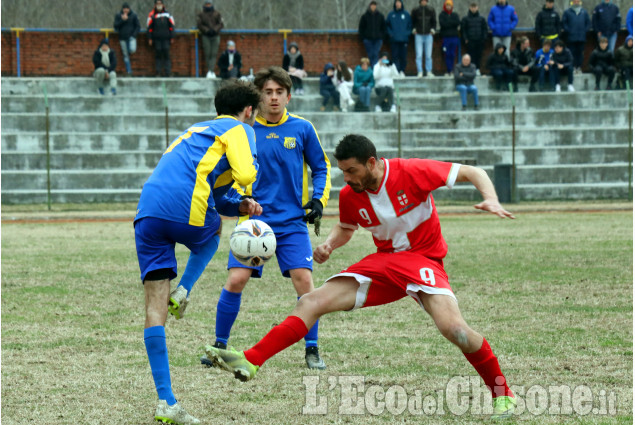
(402, 198)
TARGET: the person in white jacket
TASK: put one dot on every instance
(384, 73)
(343, 80)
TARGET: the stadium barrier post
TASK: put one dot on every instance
(398, 122)
(106, 31)
(630, 140)
(511, 93)
(48, 148)
(17, 48)
(165, 105)
(195, 32)
(284, 33)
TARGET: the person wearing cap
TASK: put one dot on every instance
(293, 63)
(210, 23)
(624, 62)
(372, 31)
(160, 32)
(449, 23)
(230, 62)
(128, 27)
(105, 63)
(576, 22)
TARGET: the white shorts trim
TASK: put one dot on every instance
(413, 288)
(362, 291)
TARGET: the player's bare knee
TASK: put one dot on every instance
(236, 283)
(456, 333)
(313, 302)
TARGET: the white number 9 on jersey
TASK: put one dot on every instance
(427, 275)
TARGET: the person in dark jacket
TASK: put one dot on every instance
(561, 64)
(372, 31)
(464, 74)
(624, 62)
(500, 67)
(576, 22)
(523, 60)
(547, 22)
(210, 23)
(160, 31)
(105, 62)
(399, 28)
(502, 20)
(293, 63)
(606, 21)
(542, 65)
(327, 88)
(424, 23)
(128, 27)
(601, 63)
(230, 62)
(449, 24)
(474, 34)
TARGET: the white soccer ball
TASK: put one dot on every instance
(253, 243)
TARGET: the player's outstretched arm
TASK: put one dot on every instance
(479, 178)
(339, 236)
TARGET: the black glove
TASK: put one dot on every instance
(316, 210)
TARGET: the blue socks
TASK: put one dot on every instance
(226, 312)
(311, 338)
(157, 350)
(197, 262)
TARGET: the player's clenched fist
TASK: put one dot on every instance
(322, 253)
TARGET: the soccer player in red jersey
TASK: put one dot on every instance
(393, 200)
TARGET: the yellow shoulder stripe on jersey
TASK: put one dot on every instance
(184, 136)
(239, 155)
(198, 208)
(224, 179)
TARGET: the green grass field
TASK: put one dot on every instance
(552, 292)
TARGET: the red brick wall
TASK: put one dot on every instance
(70, 53)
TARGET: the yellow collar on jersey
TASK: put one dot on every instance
(285, 117)
(226, 116)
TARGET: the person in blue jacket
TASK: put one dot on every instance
(542, 65)
(606, 22)
(399, 28)
(502, 20)
(576, 22)
(629, 21)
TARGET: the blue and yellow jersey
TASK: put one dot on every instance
(285, 149)
(197, 170)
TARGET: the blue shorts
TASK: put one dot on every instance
(293, 251)
(155, 239)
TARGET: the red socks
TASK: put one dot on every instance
(287, 333)
(486, 364)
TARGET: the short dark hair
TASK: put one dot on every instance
(274, 73)
(234, 96)
(355, 146)
(559, 43)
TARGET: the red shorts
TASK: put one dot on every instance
(387, 277)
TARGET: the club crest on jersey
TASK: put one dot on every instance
(289, 142)
(402, 198)
(272, 135)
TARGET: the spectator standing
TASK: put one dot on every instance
(328, 90)
(372, 31)
(105, 62)
(629, 21)
(606, 22)
(523, 60)
(384, 74)
(562, 64)
(464, 75)
(230, 62)
(399, 28)
(547, 22)
(210, 23)
(293, 63)
(624, 62)
(502, 20)
(128, 27)
(576, 22)
(449, 24)
(424, 22)
(363, 83)
(542, 64)
(160, 31)
(343, 80)
(500, 67)
(601, 63)
(474, 33)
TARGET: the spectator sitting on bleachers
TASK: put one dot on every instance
(464, 74)
(542, 65)
(363, 83)
(105, 63)
(384, 73)
(293, 63)
(328, 90)
(500, 67)
(624, 62)
(523, 60)
(601, 63)
(562, 65)
(343, 80)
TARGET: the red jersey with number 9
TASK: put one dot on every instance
(401, 214)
